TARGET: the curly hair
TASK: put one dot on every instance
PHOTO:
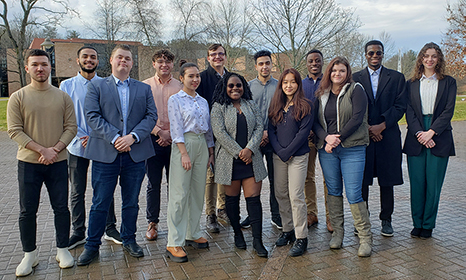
(439, 68)
(220, 93)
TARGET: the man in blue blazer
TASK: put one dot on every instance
(121, 112)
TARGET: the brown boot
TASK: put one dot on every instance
(152, 233)
(329, 225)
(177, 254)
(311, 219)
(200, 243)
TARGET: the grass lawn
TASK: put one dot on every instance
(3, 103)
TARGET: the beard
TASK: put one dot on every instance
(92, 70)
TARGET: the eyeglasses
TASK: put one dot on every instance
(215, 54)
(238, 85)
(371, 53)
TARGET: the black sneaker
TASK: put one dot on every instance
(285, 238)
(387, 229)
(113, 235)
(277, 222)
(299, 247)
(246, 223)
(75, 241)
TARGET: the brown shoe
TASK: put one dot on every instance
(152, 233)
(311, 219)
(177, 254)
(200, 243)
(329, 225)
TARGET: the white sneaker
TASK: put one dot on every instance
(30, 260)
(64, 258)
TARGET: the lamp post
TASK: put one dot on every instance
(47, 46)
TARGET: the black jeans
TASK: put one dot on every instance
(267, 150)
(30, 179)
(154, 172)
(77, 168)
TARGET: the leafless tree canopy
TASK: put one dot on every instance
(455, 39)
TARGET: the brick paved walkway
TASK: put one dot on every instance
(399, 257)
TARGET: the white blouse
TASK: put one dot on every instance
(428, 90)
(189, 114)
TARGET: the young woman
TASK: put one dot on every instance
(429, 140)
(192, 153)
(343, 136)
(290, 121)
(238, 128)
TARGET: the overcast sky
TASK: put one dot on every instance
(411, 23)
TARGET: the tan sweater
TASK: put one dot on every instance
(45, 116)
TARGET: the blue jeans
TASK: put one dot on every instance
(104, 180)
(344, 165)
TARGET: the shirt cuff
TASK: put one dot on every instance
(115, 138)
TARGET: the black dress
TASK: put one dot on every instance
(240, 169)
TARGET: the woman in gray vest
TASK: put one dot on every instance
(343, 136)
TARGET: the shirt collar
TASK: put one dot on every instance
(84, 80)
(184, 94)
(125, 82)
(431, 78)
(159, 81)
(376, 71)
(318, 78)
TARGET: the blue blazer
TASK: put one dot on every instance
(103, 114)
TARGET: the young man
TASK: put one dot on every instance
(163, 86)
(41, 120)
(386, 94)
(314, 63)
(121, 113)
(76, 88)
(214, 194)
(263, 88)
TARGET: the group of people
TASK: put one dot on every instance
(210, 131)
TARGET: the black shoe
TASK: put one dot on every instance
(259, 248)
(239, 241)
(222, 216)
(299, 247)
(75, 241)
(277, 222)
(113, 235)
(212, 224)
(246, 223)
(387, 229)
(425, 233)
(285, 238)
(87, 256)
(134, 250)
(416, 232)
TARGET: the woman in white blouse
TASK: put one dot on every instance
(190, 130)
(429, 140)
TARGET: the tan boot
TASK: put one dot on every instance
(363, 226)
(336, 215)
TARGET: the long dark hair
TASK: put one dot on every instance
(220, 93)
(301, 104)
(439, 68)
(326, 83)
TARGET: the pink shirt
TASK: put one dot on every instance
(161, 93)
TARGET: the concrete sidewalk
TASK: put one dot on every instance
(398, 257)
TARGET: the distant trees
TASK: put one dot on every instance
(455, 39)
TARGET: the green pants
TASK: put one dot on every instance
(186, 191)
(426, 175)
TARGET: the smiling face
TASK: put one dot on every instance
(338, 75)
(263, 66)
(39, 68)
(88, 60)
(430, 60)
(314, 63)
(163, 66)
(217, 58)
(289, 85)
(234, 88)
(190, 79)
(374, 56)
(122, 62)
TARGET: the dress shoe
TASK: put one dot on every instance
(134, 250)
(87, 256)
(246, 223)
(299, 247)
(285, 238)
(387, 229)
(311, 219)
(239, 241)
(30, 260)
(200, 243)
(113, 235)
(416, 232)
(64, 258)
(425, 233)
(212, 224)
(329, 225)
(152, 233)
(222, 216)
(277, 222)
(176, 254)
(75, 241)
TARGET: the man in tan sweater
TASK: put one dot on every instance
(41, 120)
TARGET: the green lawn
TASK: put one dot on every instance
(3, 114)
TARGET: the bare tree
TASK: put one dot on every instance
(292, 27)
(143, 21)
(109, 23)
(455, 39)
(17, 27)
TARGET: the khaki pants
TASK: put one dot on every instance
(289, 191)
(186, 191)
(214, 194)
(310, 185)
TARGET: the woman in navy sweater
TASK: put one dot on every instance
(290, 121)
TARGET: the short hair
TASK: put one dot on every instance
(185, 65)
(35, 52)
(261, 54)
(214, 47)
(220, 93)
(86, 47)
(122, 47)
(371, 43)
(314, 51)
(163, 53)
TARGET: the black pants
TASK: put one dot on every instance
(267, 150)
(77, 168)
(30, 178)
(154, 172)
(386, 201)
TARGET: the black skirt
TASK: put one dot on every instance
(240, 169)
